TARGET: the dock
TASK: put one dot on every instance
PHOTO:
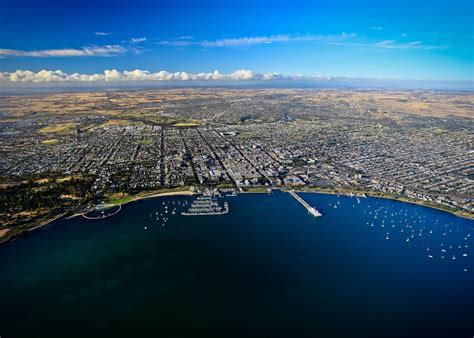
(311, 210)
(206, 205)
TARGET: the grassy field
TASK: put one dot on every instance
(67, 178)
(118, 198)
(57, 180)
(42, 181)
(190, 123)
(122, 198)
(145, 142)
(58, 128)
(245, 135)
(116, 122)
(435, 130)
(50, 141)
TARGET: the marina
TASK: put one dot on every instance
(206, 205)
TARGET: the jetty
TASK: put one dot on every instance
(311, 210)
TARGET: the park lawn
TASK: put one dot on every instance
(145, 141)
(118, 198)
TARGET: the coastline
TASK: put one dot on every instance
(149, 195)
(45, 222)
(143, 196)
(345, 192)
(5, 238)
(263, 190)
(259, 190)
(163, 194)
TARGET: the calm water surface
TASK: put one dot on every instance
(377, 268)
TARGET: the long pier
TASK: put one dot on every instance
(308, 207)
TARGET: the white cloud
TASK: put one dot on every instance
(106, 50)
(257, 40)
(391, 44)
(137, 40)
(102, 33)
(348, 39)
(376, 28)
(137, 75)
(242, 74)
(26, 78)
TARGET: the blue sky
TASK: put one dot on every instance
(424, 39)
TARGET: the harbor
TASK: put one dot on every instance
(102, 211)
(206, 205)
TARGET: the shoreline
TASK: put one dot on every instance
(315, 190)
(41, 224)
(308, 190)
(45, 222)
(146, 196)
(389, 197)
(142, 197)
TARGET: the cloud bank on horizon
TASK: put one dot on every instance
(58, 79)
(137, 75)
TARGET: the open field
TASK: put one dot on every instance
(118, 198)
(115, 122)
(50, 141)
(57, 128)
(172, 103)
(187, 124)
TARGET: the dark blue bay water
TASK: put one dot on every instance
(267, 269)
